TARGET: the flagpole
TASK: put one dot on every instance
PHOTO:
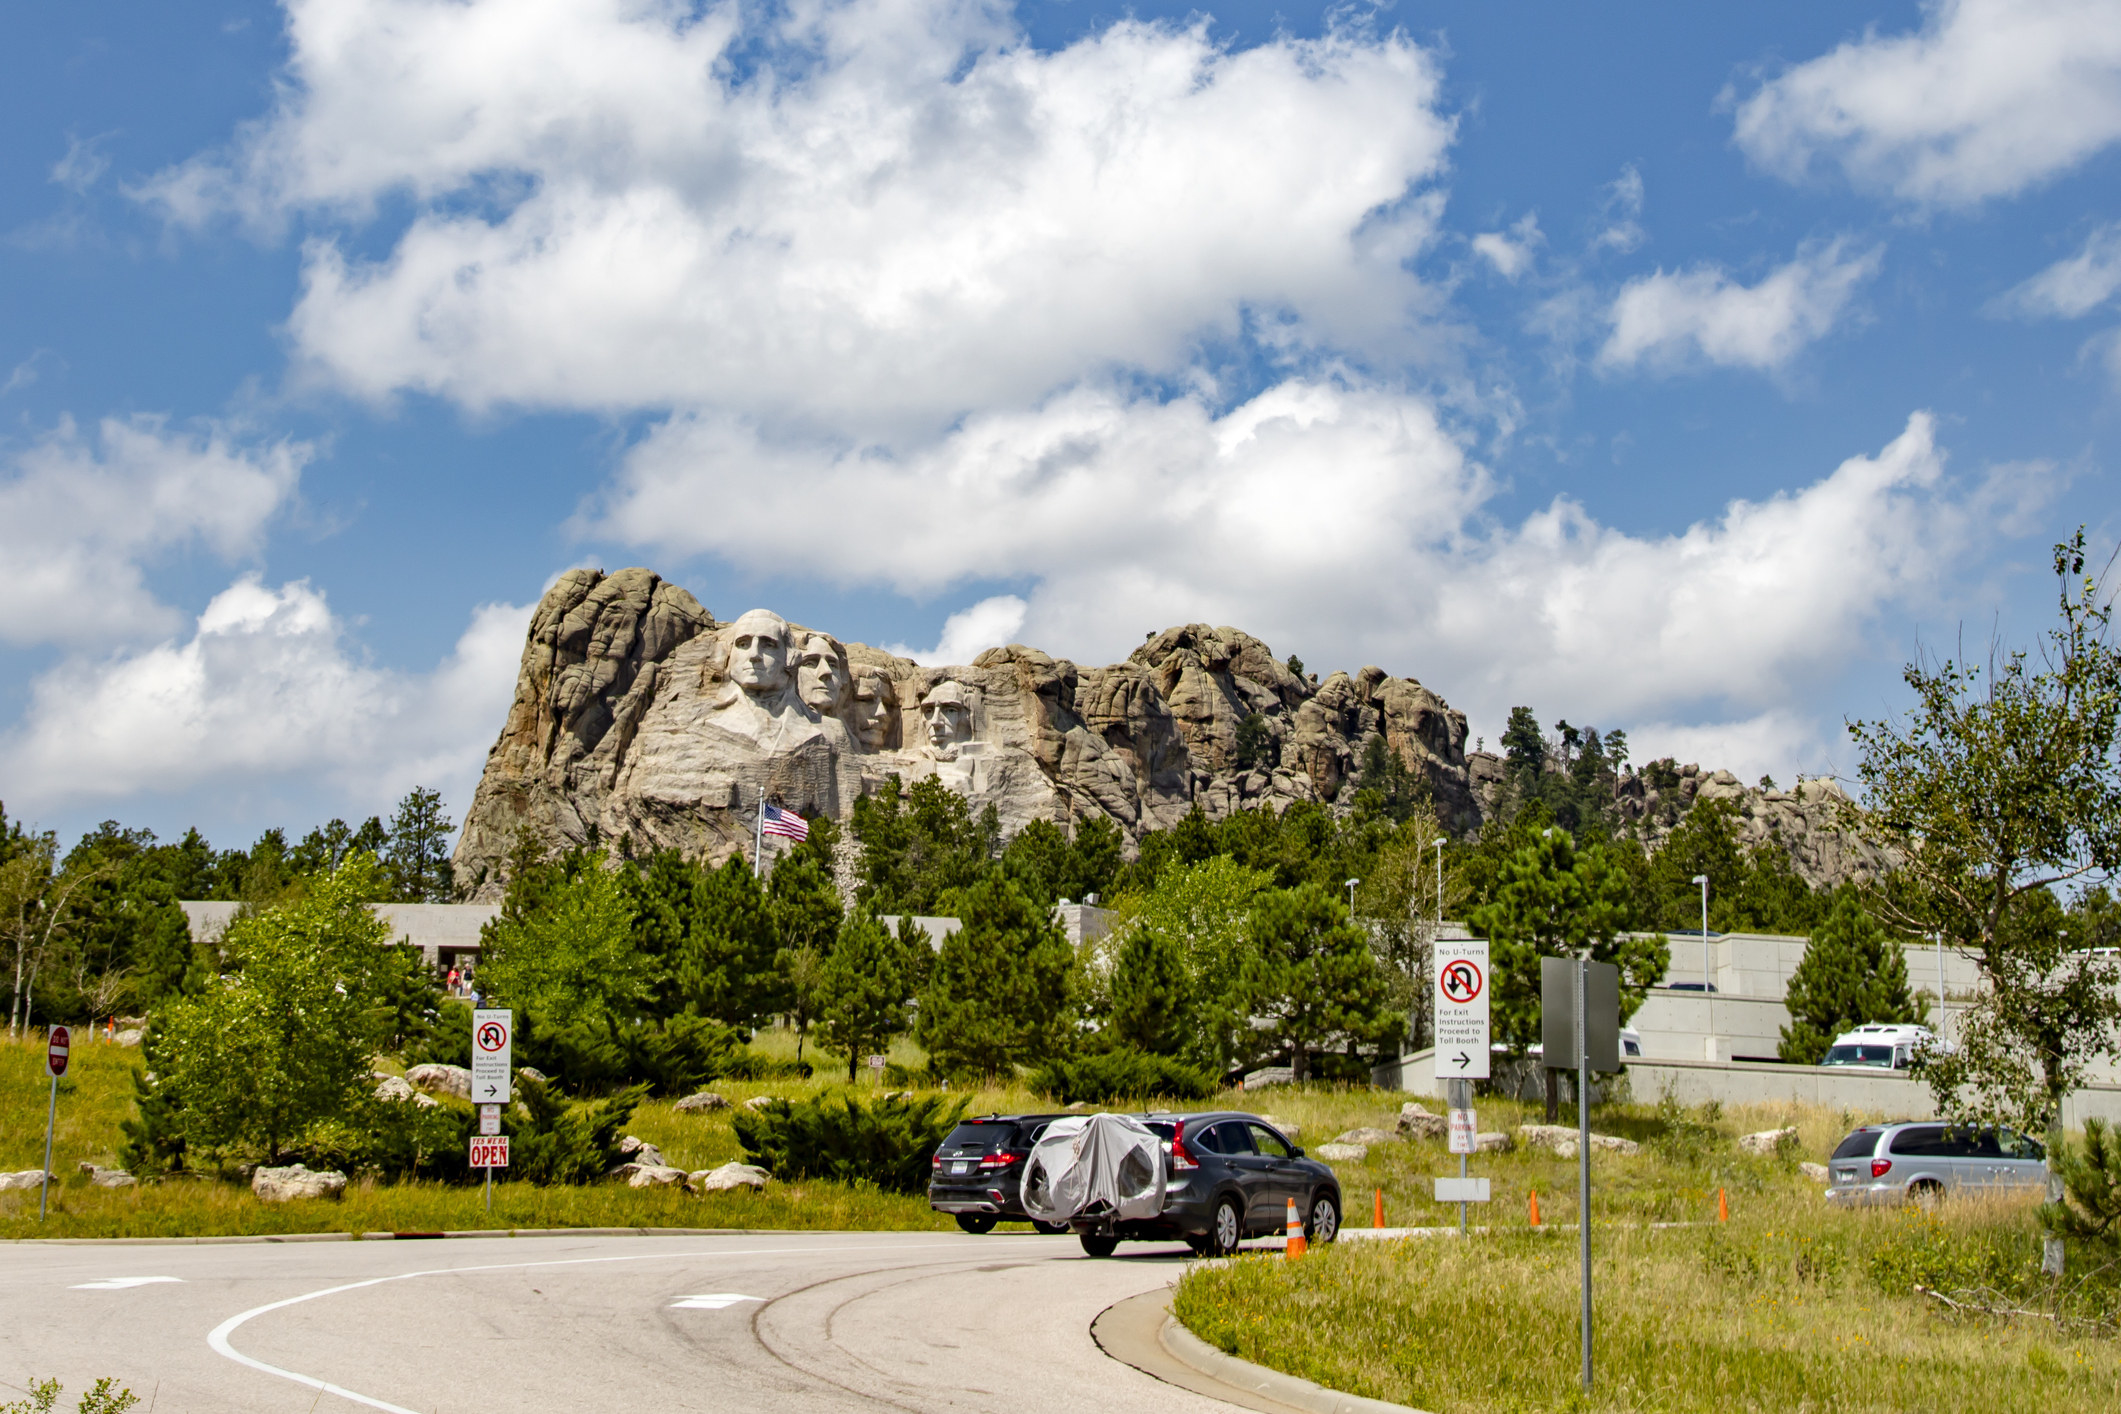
(758, 838)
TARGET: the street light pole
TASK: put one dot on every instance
(1708, 988)
(1351, 896)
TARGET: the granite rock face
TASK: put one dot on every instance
(638, 715)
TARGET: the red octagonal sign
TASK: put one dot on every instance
(56, 1044)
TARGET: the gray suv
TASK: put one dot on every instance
(1925, 1160)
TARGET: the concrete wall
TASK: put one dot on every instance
(1880, 1094)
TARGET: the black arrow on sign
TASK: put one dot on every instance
(1464, 1060)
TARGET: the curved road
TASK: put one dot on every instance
(793, 1322)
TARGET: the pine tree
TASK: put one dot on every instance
(867, 986)
(999, 994)
(1852, 974)
(1151, 1001)
(1312, 976)
(417, 855)
(806, 914)
(724, 964)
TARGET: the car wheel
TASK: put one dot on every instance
(1048, 1229)
(1099, 1244)
(977, 1223)
(1226, 1231)
(1324, 1225)
(1926, 1195)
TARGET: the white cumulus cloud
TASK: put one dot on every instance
(1675, 319)
(1511, 252)
(867, 214)
(2074, 286)
(1343, 521)
(264, 686)
(1987, 99)
(82, 513)
(990, 623)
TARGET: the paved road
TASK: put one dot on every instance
(784, 1322)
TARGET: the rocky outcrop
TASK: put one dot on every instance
(101, 1177)
(25, 1178)
(639, 716)
(1560, 1139)
(729, 1176)
(700, 1102)
(284, 1185)
(1768, 1141)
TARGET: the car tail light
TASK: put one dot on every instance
(1002, 1160)
(1881, 1167)
(1180, 1159)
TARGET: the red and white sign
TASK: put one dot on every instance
(1462, 1126)
(492, 1050)
(58, 1041)
(489, 1151)
(489, 1119)
(1461, 1008)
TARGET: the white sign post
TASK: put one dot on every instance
(1461, 1011)
(493, 1035)
(493, 1039)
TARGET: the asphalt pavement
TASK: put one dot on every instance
(784, 1322)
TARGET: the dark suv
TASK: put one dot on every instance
(1231, 1176)
(978, 1171)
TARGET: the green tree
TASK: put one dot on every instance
(1311, 976)
(562, 948)
(920, 845)
(417, 855)
(806, 914)
(1256, 749)
(1524, 746)
(999, 995)
(1152, 1003)
(867, 987)
(2000, 786)
(1851, 974)
(1205, 908)
(725, 964)
(284, 1042)
(1049, 864)
(1553, 900)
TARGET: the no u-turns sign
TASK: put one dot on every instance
(1461, 1008)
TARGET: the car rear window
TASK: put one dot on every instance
(1859, 1055)
(1860, 1145)
(980, 1138)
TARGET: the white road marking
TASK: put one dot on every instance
(713, 1301)
(120, 1283)
(217, 1339)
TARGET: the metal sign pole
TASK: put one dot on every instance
(1583, 1146)
(44, 1184)
(489, 1188)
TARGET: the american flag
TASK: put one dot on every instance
(785, 823)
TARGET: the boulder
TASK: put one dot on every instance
(1289, 1131)
(1561, 1139)
(440, 1080)
(639, 1175)
(727, 1177)
(394, 1088)
(1767, 1141)
(1493, 1142)
(700, 1102)
(130, 1036)
(1270, 1075)
(1365, 1137)
(1815, 1172)
(531, 1072)
(25, 1178)
(1417, 1123)
(640, 1151)
(281, 1185)
(1341, 1153)
(107, 1178)
(764, 1102)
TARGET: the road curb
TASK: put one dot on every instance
(1142, 1332)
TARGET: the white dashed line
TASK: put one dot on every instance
(713, 1301)
(120, 1283)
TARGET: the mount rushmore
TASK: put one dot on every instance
(638, 716)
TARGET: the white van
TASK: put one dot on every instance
(1880, 1046)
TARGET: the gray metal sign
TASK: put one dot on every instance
(1558, 1010)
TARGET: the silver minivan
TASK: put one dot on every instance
(1925, 1160)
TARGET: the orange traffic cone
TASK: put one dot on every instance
(1296, 1233)
(1535, 1207)
(1723, 1207)
(1380, 1222)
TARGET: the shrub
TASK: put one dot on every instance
(888, 1143)
(553, 1140)
(390, 1139)
(1123, 1074)
(598, 1054)
(750, 1065)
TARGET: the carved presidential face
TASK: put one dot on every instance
(875, 705)
(821, 675)
(758, 652)
(948, 714)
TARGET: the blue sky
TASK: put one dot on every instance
(1666, 367)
